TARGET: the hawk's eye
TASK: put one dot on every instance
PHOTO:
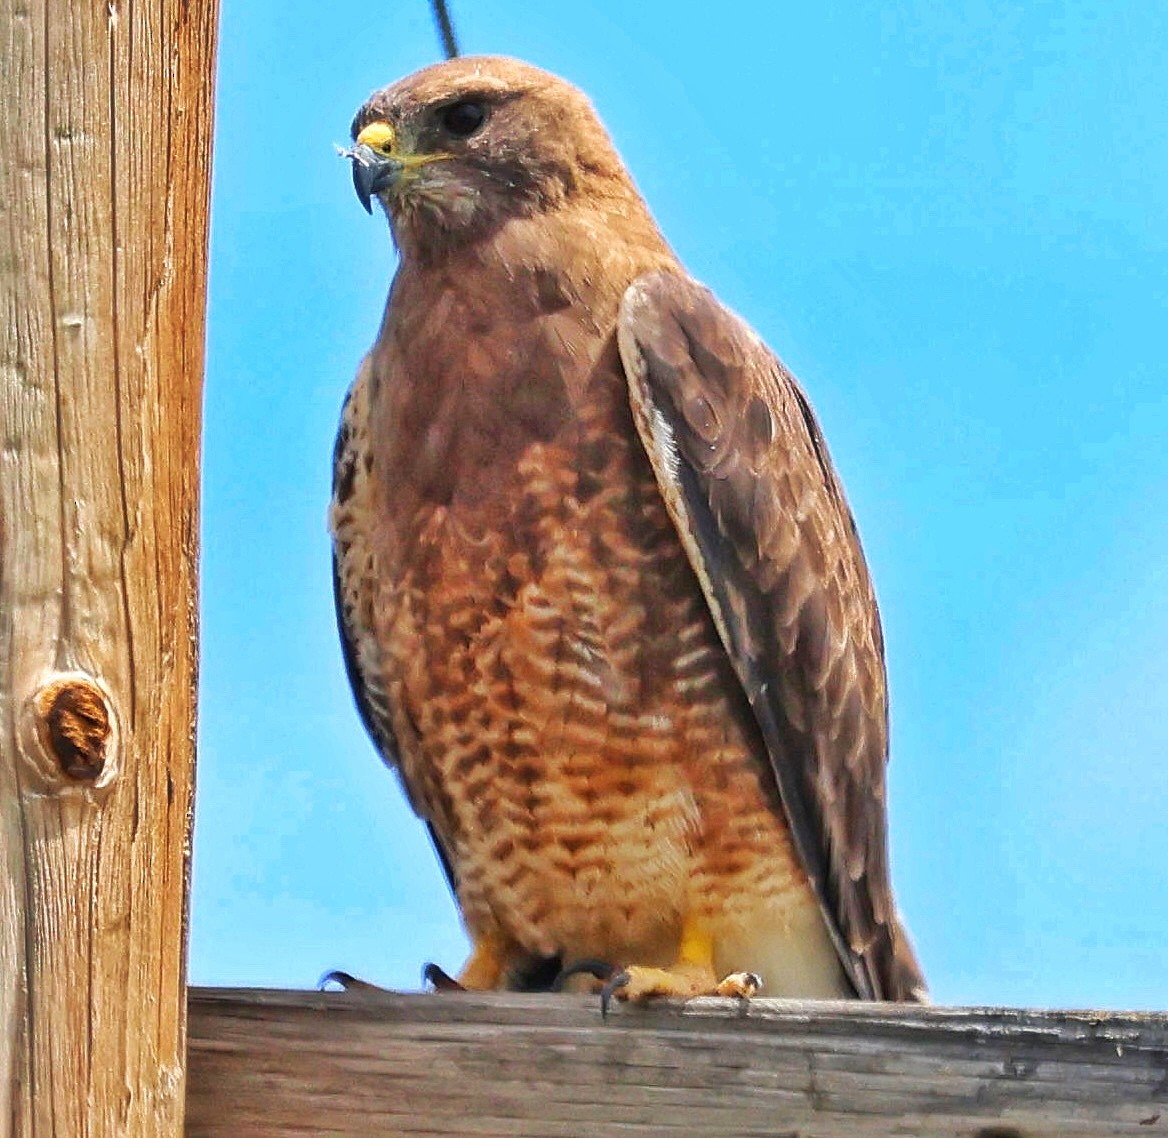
(462, 119)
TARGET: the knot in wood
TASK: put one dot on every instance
(74, 723)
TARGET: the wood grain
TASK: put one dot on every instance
(105, 132)
(275, 1064)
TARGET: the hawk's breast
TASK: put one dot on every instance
(567, 717)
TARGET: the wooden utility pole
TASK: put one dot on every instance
(496, 1065)
(105, 144)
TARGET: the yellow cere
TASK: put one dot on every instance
(381, 137)
(377, 136)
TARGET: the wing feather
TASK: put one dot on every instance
(355, 587)
(751, 489)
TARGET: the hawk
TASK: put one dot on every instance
(602, 600)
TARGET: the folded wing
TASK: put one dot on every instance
(750, 486)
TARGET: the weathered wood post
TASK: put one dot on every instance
(105, 141)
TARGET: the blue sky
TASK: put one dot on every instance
(950, 221)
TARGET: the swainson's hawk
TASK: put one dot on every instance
(602, 599)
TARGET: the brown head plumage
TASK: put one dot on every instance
(456, 149)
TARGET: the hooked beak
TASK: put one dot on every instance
(372, 172)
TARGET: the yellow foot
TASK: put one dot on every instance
(739, 985)
(692, 975)
(637, 984)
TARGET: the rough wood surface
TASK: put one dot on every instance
(105, 129)
(275, 1064)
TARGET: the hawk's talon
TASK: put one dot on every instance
(345, 982)
(439, 979)
(612, 985)
(598, 969)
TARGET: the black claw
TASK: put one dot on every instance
(613, 985)
(598, 969)
(439, 980)
(343, 980)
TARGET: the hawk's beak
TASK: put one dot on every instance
(372, 172)
(380, 158)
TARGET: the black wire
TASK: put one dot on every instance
(445, 28)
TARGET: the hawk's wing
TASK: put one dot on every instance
(355, 584)
(750, 487)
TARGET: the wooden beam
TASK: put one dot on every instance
(105, 133)
(274, 1064)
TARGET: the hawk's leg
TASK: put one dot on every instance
(487, 965)
(692, 975)
(496, 963)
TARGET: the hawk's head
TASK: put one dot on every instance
(455, 150)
